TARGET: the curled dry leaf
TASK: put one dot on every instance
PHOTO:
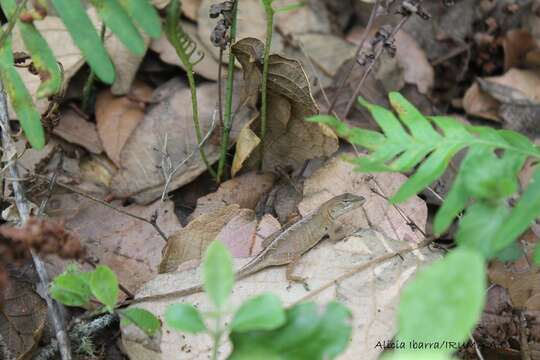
(207, 68)
(73, 128)
(290, 140)
(478, 102)
(338, 176)
(117, 117)
(167, 132)
(244, 190)
(371, 294)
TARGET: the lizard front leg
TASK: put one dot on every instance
(294, 278)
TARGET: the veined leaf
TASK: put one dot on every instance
(387, 121)
(427, 173)
(42, 56)
(116, 19)
(20, 98)
(145, 15)
(85, 37)
(524, 213)
(418, 125)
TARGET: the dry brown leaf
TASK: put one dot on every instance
(117, 118)
(246, 144)
(479, 103)
(131, 247)
(22, 318)
(311, 18)
(417, 69)
(251, 23)
(516, 44)
(290, 140)
(372, 294)
(524, 286)
(338, 176)
(139, 176)
(207, 68)
(244, 190)
(76, 130)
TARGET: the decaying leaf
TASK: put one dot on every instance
(131, 247)
(394, 221)
(517, 43)
(167, 130)
(244, 190)
(22, 318)
(235, 227)
(371, 294)
(207, 68)
(117, 118)
(76, 130)
(290, 140)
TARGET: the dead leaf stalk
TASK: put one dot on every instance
(227, 120)
(55, 310)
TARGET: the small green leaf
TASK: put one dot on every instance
(388, 122)
(218, 275)
(263, 312)
(104, 286)
(145, 15)
(418, 125)
(427, 173)
(85, 37)
(184, 317)
(71, 290)
(524, 213)
(536, 256)
(479, 226)
(116, 19)
(451, 290)
(510, 253)
(143, 319)
(20, 98)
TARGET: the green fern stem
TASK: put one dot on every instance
(264, 90)
(185, 48)
(227, 121)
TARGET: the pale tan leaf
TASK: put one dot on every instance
(74, 129)
(247, 142)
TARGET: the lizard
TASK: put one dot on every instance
(287, 246)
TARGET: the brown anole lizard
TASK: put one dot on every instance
(287, 246)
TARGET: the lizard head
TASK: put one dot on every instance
(343, 203)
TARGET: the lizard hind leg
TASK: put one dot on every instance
(294, 278)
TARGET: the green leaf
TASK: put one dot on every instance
(479, 226)
(218, 275)
(427, 173)
(104, 286)
(536, 256)
(20, 98)
(145, 15)
(43, 58)
(307, 334)
(184, 317)
(387, 121)
(263, 312)
(85, 37)
(418, 125)
(143, 319)
(71, 290)
(524, 213)
(510, 253)
(451, 290)
(456, 200)
(116, 19)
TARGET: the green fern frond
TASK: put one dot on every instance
(424, 146)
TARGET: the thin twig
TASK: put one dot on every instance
(476, 348)
(106, 204)
(365, 35)
(363, 267)
(55, 309)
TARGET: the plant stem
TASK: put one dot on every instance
(264, 91)
(216, 337)
(227, 121)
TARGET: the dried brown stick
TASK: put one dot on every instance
(55, 309)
